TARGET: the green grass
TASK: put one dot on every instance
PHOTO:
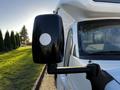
(17, 70)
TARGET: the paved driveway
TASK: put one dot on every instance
(48, 82)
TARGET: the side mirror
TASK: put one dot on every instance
(48, 46)
(48, 39)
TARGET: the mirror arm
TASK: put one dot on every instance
(91, 69)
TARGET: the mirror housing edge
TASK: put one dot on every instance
(48, 39)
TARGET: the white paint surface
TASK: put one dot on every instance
(113, 85)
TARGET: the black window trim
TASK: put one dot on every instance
(108, 1)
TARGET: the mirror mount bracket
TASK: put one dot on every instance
(90, 69)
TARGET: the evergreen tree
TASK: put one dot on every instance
(17, 37)
(13, 40)
(7, 42)
(19, 41)
(24, 35)
(1, 42)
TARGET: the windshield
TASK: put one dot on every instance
(100, 38)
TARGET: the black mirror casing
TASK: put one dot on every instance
(53, 52)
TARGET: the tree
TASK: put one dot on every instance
(13, 40)
(24, 35)
(17, 37)
(1, 42)
(7, 42)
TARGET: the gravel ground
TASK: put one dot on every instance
(48, 82)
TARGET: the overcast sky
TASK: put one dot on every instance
(16, 13)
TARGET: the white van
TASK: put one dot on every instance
(80, 43)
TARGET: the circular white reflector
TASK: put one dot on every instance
(45, 39)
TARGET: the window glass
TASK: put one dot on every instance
(69, 44)
(100, 39)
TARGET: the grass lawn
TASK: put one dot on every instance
(17, 70)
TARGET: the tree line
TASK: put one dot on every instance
(10, 42)
(13, 41)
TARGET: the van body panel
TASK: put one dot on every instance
(72, 12)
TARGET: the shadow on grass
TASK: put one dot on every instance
(14, 53)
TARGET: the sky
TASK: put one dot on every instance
(16, 13)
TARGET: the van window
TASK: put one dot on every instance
(99, 37)
(68, 49)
